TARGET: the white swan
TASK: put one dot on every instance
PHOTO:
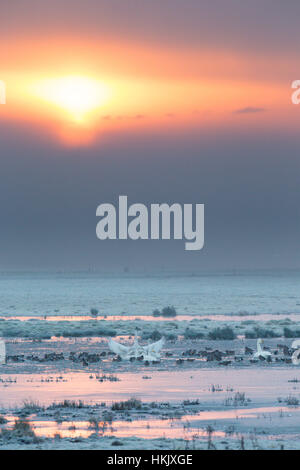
(126, 352)
(2, 351)
(296, 357)
(151, 352)
(260, 351)
(119, 349)
(295, 344)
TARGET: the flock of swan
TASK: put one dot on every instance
(295, 347)
(152, 351)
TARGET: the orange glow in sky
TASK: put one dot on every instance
(98, 88)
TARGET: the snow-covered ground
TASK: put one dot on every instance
(185, 401)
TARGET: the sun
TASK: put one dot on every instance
(76, 95)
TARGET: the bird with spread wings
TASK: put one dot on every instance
(150, 352)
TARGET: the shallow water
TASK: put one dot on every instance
(261, 385)
(260, 411)
(150, 428)
(186, 427)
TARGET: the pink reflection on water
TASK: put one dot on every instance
(144, 428)
(260, 385)
(187, 427)
(221, 317)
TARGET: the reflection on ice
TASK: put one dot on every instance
(262, 386)
(187, 427)
(190, 317)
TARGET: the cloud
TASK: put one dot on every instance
(248, 110)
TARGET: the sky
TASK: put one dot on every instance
(186, 102)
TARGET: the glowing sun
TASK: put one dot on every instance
(77, 95)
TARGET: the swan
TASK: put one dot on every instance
(151, 352)
(295, 344)
(2, 351)
(260, 351)
(126, 352)
(119, 349)
(296, 357)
